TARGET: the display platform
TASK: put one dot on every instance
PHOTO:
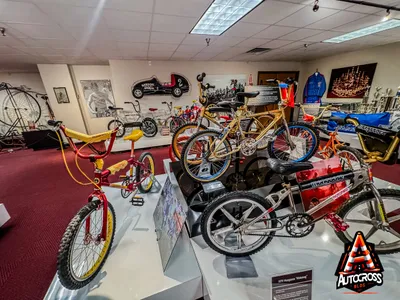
(134, 270)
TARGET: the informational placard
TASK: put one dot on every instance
(169, 218)
(268, 95)
(292, 286)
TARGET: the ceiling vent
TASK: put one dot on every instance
(258, 51)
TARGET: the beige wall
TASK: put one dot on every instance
(58, 76)
(31, 80)
(386, 74)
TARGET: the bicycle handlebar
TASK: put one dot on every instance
(200, 77)
(54, 123)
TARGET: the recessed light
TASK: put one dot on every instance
(223, 14)
(364, 32)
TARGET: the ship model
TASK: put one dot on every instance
(351, 84)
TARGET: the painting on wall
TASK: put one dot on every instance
(226, 86)
(351, 82)
(98, 96)
(61, 95)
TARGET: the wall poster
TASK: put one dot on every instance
(98, 97)
(226, 86)
(351, 82)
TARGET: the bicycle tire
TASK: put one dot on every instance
(310, 129)
(146, 123)
(185, 154)
(364, 197)
(227, 197)
(358, 156)
(139, 172)
(14, 92)
(175, 148)
(175, 123)
(117, 123)
(64, 258)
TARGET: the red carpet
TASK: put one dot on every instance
(41, 199)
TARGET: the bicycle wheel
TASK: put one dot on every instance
(217, 226)
(22, 104)
(256, 125)
(181, 135)
(350, 158)
(127, 181)
(359, 214)
(196, 160)
(143, 178)
(149, 127)
(82, 254)
(115, 124)
(175, 123)
(304, 137)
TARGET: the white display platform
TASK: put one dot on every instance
(133, 270)
(4, 215)
(144, 142)
(319, 251)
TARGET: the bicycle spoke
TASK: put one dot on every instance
(394, 219)
(223, 231)
(368, 222)
(394, 232)
(371, 232)
(247, 213)
(229, 216)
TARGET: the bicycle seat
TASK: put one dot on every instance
(287, 168)
(94, 138)
(134, 136)
(233, 104)
(247, 94)
(115, 108)
(153, 109)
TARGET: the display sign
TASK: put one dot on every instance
(268, 95)
(292, 286)
(169, 218)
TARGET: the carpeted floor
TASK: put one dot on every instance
(41, 199)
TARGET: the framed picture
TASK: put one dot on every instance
(99, 96)
(61, 94)
(351, 82)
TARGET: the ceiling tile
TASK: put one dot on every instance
(294, 45)
(104, 52)
(126, 20)
(43, 32)
(9, 50)
(271, 12)
(274, 32)
(301, 34)
(129, 35)
(10, 41)
(198, 39)
(85, 33)
(252, 43)
(160, 54)
(54, 43)
(66, 15)
(276, 44)
(395, 32)
(130, 5)
(322, 36)
(224, 56)
(242, 29)
(163, 47)
(181, 55)
(215, 49)
(163, 23)
(11, 32)
(185, 8)
(334, 4)
(132, 52)
(227, 40)
(336, 20)
(204, 56)
(190, 48)
(360, 23)
(170, 38)
(133, 46)
(22, 12)
(306, 16)
(369, 9)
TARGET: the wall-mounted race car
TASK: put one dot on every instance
(178, 85)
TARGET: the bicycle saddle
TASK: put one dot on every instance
(287, 168)
(153, 109)
(233, 104)
(115, 108)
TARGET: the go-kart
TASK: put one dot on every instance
(176, 87)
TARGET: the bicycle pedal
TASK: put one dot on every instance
(137, 201)
(336, 222)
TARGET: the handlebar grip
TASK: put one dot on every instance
(126, 102)
(201, 76)
(54, 123)
(339, 121)
(297, 104)
(209, 86)
(163, 102)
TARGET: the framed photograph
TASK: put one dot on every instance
(351, 82)
(98, 96)
(61, 95)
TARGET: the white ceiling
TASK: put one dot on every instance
(94, 31)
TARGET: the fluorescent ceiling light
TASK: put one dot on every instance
(364, 32)
(222, 14)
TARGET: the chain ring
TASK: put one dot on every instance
(248, 146)
(292, 225)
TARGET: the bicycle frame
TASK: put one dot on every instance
(360, 177)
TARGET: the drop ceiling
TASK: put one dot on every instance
(94, 31)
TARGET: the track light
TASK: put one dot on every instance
(387, 17)
(316, 6)
(3, 31)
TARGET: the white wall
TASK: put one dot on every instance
(56, 75)
(386, 74)
(125, 73)
(95, 125)
(31, 80)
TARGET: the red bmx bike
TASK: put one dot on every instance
(88, 238)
